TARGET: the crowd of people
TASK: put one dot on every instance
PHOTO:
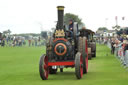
(119, 47)
(21, 41)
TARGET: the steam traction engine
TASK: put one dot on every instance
(64, 51)
(91, 42)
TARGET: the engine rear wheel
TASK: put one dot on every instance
(43, 67)
(85, 56)
(82, 46)
(94, 55)
(75, 30)
(89, 57)
(93, 47)
(89, 53)
(78, 65)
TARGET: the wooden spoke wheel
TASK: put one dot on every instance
(78, 65)
(82, 48)
(85, 55)
(86, 70)
(43, 67)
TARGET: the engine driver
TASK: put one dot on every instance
(71, 28)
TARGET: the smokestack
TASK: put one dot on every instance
(60, 17)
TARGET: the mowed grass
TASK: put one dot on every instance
(19, 66)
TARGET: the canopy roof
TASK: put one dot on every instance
(88, 30)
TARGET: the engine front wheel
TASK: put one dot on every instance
(43, 67)
(89, 56)
(94, 55)
(79, 65)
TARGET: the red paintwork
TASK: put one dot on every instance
(61, 63)
(81, 67)
(60, 39)
(45, 67)
(86, 50)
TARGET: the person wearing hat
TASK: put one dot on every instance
(83, 32)
(71, 25)
(70, 28)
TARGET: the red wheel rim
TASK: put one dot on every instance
(45, 67)
(87, 63)
(81, 65)
(86, 50)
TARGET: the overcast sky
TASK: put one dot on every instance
(26, 16)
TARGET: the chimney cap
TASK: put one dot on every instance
(60, 7)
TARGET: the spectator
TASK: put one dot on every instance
(29, 42)
(112, 46)
(126, 47)
(35, 41)
(3, 42)
(32, 42)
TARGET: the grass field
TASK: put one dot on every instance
(19, 66)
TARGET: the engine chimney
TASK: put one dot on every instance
(60, 17)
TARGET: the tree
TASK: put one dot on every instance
(53, 29)
(7, 32)
(122, 31)
(75, 18)
(117, 27)
(126, 30)
(0, 35)
(44, 34)
(102, 29)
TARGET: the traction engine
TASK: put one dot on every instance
(63, 51)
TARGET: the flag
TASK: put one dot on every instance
(116, 18)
